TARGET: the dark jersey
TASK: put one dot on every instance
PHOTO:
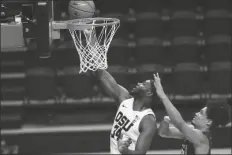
(188, 147)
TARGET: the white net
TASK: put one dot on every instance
(92, 38)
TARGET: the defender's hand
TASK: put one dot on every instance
(158, 86)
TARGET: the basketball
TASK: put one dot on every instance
(81, 9)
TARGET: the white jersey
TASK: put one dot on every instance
(126, 122)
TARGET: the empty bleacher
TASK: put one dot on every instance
(186, 41)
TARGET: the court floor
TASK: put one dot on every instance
(214, 151)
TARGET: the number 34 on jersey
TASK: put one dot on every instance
(121, 123)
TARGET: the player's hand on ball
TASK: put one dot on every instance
(123, 143)
(157, 84)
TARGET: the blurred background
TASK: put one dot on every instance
(48, 107)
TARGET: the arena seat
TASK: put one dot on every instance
(75, 85)
(187, 79)
(146, 71)
(12, 93)
(217, 22)
(185, 49)
(65, 55)
(147, 6)
(118, 52)
(148, 25)
(215, 4)
(218, 48)
(12, 66)
(40, 83)
(124, 30)
(183, 23)
(220, 77)
(182, 5)
(150, 50)
(112, 6)
(12, 79)
(14, 55)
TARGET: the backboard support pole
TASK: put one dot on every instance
(43, 16)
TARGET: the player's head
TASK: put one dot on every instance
(214, 114)
(144, 89)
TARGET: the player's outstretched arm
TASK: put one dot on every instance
(110, 86)
(147, 131)
(167, 131)
(193, 135)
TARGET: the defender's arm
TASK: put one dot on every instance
(166, 131)
(193, 135)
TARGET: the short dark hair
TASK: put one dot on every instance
(219, 112)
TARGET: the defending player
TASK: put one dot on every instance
(134, 119)
(197, 137)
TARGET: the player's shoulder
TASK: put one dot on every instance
(150, 117)
(148, 122)
(127, 100)
(201, 136)
(147, 113)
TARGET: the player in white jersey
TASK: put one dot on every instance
(134, 119)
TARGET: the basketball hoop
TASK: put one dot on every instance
(92, 38)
